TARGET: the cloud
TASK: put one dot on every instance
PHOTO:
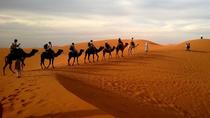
(161, 20)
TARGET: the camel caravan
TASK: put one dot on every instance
(18, 55)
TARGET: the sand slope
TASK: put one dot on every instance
(166, 82)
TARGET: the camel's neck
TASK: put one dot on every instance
(99, 50)
(32, 53)
(57, 54)
(112, 49)
(80, 53)
(125, 45)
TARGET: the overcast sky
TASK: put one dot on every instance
(35, 22)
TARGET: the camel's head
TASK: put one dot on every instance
(126, 44)
(101, 47)
(35, 50)
(60, 51)
(82, 50)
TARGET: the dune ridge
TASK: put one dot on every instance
(166, 82)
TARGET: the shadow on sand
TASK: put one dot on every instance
(73, 114)
(111, 103)
(1, 111)
(197, 51)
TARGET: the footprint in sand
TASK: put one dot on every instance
(40, 101)
(25, 104)
(28, 90)
(19, 112)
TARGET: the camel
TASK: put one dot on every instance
(120, 47)
(74, 55)
(92, 51)
(50, 55)
(19, 53)
(130, 49)
(108, 51)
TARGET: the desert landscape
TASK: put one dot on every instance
(166, 82)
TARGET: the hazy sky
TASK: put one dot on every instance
(35, 22)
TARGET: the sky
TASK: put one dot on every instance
(35, 22)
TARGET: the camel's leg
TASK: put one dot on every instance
(49, 63)
(97, 56)
(77, 60)
(89, 58)
(73, 61)
(104, 56)
(110, 55)
(5, 68)
(117, 53)
(69, 60)
(93, 57)
(122, 53)
(10, 67)
(85, 57)
(53, 63)
(41, 65)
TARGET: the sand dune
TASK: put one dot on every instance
(166, 82)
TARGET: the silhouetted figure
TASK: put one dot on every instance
(146, 47)
(50, 55)
(121, 47)
(93, 51)
(18, 67)
(201, 36)
(107, 46)
(72, 48)
(120, 43)
(132, 46)
(19, 54)
(91, 45)
(14, 46)
(188, 46)
(108, 51)
(74, 54)
(50, 46)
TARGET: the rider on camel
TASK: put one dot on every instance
(91, 45)
(15, 45)
(120, 43)
(107, 46)
(132, 44)
(72, 48)
(48, 47)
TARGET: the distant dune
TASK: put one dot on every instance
(167, 82)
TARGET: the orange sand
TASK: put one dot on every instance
(168, 82)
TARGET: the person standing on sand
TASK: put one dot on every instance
(188, 46)
(146, 47)
(18, 67)
(201, 36)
